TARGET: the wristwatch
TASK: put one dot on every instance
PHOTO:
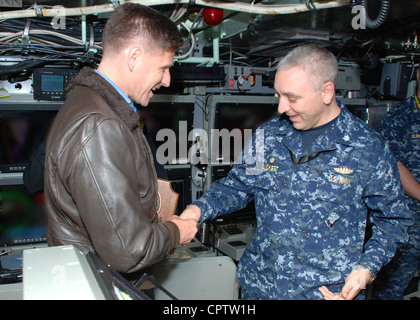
(368, 269)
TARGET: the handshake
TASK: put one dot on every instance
(187, 223)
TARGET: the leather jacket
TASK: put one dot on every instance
(100, 181)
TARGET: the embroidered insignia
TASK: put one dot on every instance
(268, 167)
(339, 179)
(343, 170)
(332, 219)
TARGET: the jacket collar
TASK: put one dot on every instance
(87, 77)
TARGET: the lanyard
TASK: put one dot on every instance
(417, 101)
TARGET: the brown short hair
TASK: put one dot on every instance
(132, 22)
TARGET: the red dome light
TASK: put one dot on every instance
(212, 16)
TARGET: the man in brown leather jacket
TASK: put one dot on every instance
(100, 181)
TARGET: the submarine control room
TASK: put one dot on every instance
(234, 150)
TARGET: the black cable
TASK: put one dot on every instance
(10, 276)
(19, 67)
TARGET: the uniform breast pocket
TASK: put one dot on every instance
(333, 202)
(330, 194)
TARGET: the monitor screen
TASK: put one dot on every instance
(21, 133)
(181, 183)
(158, 116)
(235, 118)
(245, 214)
(22, 217)
(52, 82)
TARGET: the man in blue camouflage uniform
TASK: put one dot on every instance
(401, 129)
(311, 192)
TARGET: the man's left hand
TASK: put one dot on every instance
(355, 282)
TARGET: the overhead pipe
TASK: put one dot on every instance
(380, 18)
(232, 6)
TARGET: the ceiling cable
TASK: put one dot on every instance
(232, 6)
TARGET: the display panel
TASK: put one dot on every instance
(21, 133)
(181, 183)
(245, 214)
(52, 82)
(169, 120)
(22, 217)
(236, 118)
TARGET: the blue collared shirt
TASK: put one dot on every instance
(122, 93)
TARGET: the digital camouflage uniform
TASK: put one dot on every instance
(311, 217)
(401, 129)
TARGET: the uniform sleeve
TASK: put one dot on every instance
(389, 213)
(393, 129)
(226, 195)
(109, 202)
(235, 191)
